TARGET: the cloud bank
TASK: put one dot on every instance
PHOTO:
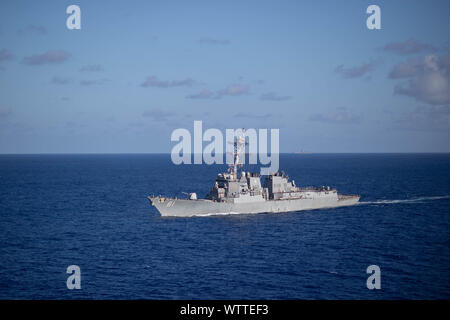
(354, 72)
(34, 29)
(5, 55)
(5, 112)
(408, 47)
(157, 114)
(272, 96)
(204, 94)
(49, 57)
(91, 68)
(340, 116)
(153, 81)
(61, 80)
(230, 90)
(212, 41)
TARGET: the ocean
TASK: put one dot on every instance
(91, 211)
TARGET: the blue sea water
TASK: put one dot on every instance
(92, 211)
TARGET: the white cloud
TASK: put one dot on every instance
(428, 79)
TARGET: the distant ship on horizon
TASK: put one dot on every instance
(302, 152)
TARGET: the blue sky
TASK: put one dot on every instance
(139, 69)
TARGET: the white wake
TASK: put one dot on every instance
(412, 200)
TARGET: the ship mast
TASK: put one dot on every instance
(238, 150)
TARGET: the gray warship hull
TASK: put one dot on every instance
(204, 207)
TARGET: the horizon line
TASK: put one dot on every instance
(168, 153)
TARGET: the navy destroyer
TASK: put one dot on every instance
(235, 193)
